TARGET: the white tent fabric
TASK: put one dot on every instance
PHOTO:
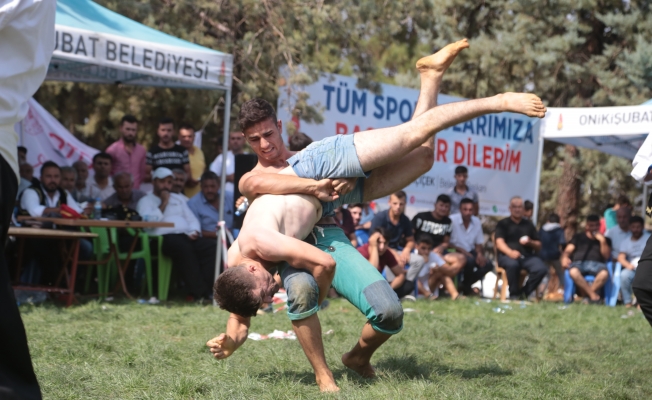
(96, 45)
(618, 131)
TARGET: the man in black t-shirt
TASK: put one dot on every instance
(517, 242)
(587, 254)
(166, 153)
(438, 226)
(398, 227)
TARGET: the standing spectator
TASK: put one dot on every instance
(298, 141)
(195, 156)
(100, 185)
(361, 230)
(166, 153)
(620, 232)
(128, 156)
(552, 244)
(45, 199)
(631, 250)
(236, 146)
(610, 213)
(517, 242)
(468, 239)
(125, 194)
(82, 177)
(586, 254)
(398, 226)
(192, 255)
(528, 209)
(179, 180)
(206, 205)
(438, 226)
(461, 191)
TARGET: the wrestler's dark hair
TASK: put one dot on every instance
(233, 291)
(255, 111)
(299, 141)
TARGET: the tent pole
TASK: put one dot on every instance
(225, 150)
(537, 178)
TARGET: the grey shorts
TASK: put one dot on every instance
(333, 157)
(589, 267)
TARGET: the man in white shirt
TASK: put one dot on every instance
(631, 250)
(236, 146)
(468, 239)
(192, 254)
(100, 185)
(46, 199)
(619, 233)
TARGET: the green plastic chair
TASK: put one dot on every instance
(164, 262)
(103, 260)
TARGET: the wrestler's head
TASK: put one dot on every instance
(241, 290)
(261, 129)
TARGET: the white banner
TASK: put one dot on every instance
(97, 57)
(47, 140)
(596, 121)
(500, 150)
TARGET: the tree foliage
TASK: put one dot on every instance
(571, 53)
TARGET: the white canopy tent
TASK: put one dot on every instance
(96, 45)
(619, 131)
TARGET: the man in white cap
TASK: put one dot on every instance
(192, 254)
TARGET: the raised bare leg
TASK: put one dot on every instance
(308, 332)
(358, 359)
(394, 176)
(383, 146)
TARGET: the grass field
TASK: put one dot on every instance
(459, 350)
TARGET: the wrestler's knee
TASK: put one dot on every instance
(386, 314)
(425, 157)
(302, 291)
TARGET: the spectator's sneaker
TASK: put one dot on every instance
(153, 300)
(408, 297)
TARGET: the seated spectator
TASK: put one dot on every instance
(361, 229)
(517, 242)
(398, 226)
(45, 199)
(125, 194)
(528, 209)
(344, 220)
(179, 182)
(631, 250)
(68, 178)
(462, 191)
(192, 255)
(586, 254)
(553, 242)
(620, 232)
(401, 280)
(26, 172)
(438, 226)
(433, 262)
(100, 185)
(468, 239)
(298, 141)
(610, 218)
(206, 205)
(80, 185)
(22, 154)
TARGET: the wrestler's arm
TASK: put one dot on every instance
(273, 246)
(237, 329)
(255, 183)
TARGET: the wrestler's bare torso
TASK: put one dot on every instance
(293, 215)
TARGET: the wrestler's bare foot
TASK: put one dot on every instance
(362, 367)
(438, 63)
(522, 103)
(327, 385)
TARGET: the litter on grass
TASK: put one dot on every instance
(409, 310)
(274, 335)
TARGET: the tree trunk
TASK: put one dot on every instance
(569, 192)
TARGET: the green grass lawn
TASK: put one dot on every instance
(458, 350)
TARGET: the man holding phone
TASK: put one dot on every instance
(587, 254)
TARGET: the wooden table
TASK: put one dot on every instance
(108, 224)
(70, 257)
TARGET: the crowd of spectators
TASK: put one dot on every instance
(168, 183)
